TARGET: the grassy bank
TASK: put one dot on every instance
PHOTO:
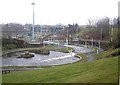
(97, 71)
(47, 47)
(84, 57)
(107, 54)
(56, 48)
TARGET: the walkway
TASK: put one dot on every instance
(88, 52)
(8, 70)
(93, 40)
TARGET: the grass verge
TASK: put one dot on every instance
(108, 53)
(84, 57)
(97, 71)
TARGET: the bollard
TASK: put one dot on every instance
(97, 52)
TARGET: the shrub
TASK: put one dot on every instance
(26, 55)
(40, 51)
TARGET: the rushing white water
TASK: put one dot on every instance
(61, 57)
(54, 58)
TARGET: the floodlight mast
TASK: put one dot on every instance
(33, 27)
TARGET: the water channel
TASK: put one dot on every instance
(54, 58)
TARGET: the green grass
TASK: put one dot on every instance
(95, 49)
(97, 71)
(47, 47)
(55, 48)
(84, 57)
(20, 66)
(65, 50)
(106, 54)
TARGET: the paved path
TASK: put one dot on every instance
(79, 49)
(93, 40)
(90, 57)
(19, 69)
(8, 70)
(88, 52)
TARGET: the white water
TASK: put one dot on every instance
(54, 58)
(61, 57)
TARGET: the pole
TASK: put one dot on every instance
(92, 41)
(85, 44)
(33, 21)
(101, 34)
(111, 34)
(99, 44)
(41, 32)
(67, 35)
(67, 38)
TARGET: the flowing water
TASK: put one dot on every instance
(54, 58)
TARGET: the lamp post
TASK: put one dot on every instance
(101, 34)
(67, 36)
(85, 44)
(92, 41)
(33, 21)
(111, 34)
(99, 44)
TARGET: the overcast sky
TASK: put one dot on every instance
(56, 11)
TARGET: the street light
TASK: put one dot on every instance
(101, 34)
(67, 38)
(85, 44)
(99, 44)
(33, 21)
(111, 34)
(92, 41)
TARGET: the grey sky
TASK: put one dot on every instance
(56, 11)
